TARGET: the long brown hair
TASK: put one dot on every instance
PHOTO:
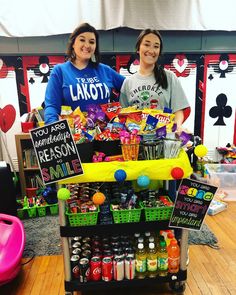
(159, 72)
(84, 27)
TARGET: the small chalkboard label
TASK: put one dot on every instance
(191, 204)
(56, 152)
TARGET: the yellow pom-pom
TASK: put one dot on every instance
(98, 198)
(200, 151)
(63, 194)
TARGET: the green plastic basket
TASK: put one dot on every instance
(81, 219)
(157, 213)
(53, 209)
(126, 215)
(41, 211)
(32, 212)
(21, 213)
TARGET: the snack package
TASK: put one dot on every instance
(111, 109)
(164, 119)
(79, 114)
(67, 113)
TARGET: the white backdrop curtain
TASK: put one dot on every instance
(28, 18)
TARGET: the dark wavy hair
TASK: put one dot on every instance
(159, 72)
(84, 27)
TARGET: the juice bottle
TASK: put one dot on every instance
(152, 261)
(162, 259)
(147, 234)
(173, 256)
(140, 262)
(151, 239)
(136, 236)
(169, 237)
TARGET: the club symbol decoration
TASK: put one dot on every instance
(221, 110)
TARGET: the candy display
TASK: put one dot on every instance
(147, 134)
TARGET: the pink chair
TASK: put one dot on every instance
(12, 243)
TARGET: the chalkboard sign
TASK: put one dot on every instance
(56, 151)
(191, 204)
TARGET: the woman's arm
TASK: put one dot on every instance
(179, 118)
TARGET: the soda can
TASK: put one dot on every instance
(96, 238)
(96, 244)
(86, 240)
(115, 244)
(108, 253)
(129, 268)
(129, 251)
(76, 251)
(86, 246)
(76, 239)
(106, 246)
(76, 245)
(107, 269)
(86, 254)
(115, 238)
(97, 252)
(105, 240)
(120, 254)
(84, 269)
(74, 262)
(118, 269)
(95, 268)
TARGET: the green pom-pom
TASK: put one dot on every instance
(63, 194)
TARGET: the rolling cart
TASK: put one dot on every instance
(155, 169)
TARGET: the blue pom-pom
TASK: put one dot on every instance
(120, 175)
(143, 181)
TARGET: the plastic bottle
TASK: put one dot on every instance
(136, 236)
(151, 239)
(162, 259)
(152, 261)
(173, 256)
(147, 234)
(169, 237)
(140, 262)
(140, 240)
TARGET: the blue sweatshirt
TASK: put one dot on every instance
(73, 87)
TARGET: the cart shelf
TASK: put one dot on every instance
(155, 169)
(76, 285)
(108, 229)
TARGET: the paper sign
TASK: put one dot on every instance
(56, 151)
(191, 204)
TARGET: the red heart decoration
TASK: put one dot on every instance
(7, 117)
(180, 62)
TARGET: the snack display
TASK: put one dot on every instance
(146, 134)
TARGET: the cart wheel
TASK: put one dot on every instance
(177, 287)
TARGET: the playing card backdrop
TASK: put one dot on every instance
(219, 100)
(37, 70)
(9, 108)
(208, 81)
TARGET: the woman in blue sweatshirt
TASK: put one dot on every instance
(82, 80)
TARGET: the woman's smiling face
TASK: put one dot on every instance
(84, 45)
(149, 49)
